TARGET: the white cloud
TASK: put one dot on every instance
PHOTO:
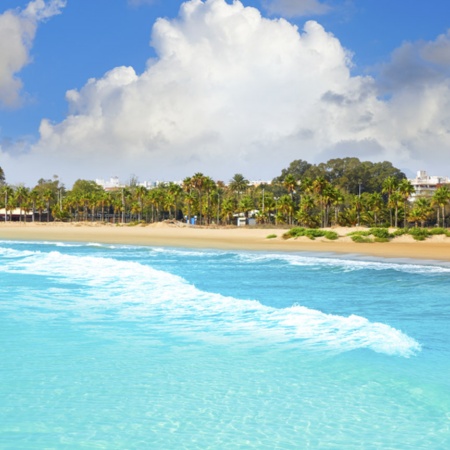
(17, 31)
(296, 8)
(231, 91)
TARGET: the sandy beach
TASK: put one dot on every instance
(255, 239)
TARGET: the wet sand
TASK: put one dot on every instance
(245, 238)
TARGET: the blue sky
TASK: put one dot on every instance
(99, 88)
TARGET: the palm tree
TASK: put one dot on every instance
(286, 207)
(440, 198)
(34, 195)
(8, 193)
(375, 203)
(318, 187)
(246, 205)
(21, 196)
(174, 191)
(421, 211)
(198, 184)
(405, 189)
(290, 184)
(47, 195)
(139, 194)
(390, 185)
(238, 184)
(395, 201)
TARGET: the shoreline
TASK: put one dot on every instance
(436, 248)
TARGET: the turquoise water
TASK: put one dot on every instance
(122, 347)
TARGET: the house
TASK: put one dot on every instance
(16, 215)
(426, 185)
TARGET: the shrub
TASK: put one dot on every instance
(271, 236)
(331, 235)
(311, 233)
(382, 233)
(419, 234)
(438, 230)
(359, 233)
(400, 232)
(294, 232)
(360, 239)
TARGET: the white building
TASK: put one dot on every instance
(425, 185)
(114, 183)
(111, 184)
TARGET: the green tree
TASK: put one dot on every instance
(421, 211)
(21, 195)
(441, 198)
(238, 184)
(297, 168)
(389, 186)
(405, 189)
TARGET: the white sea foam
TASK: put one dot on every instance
(347, 264)
(108, 289)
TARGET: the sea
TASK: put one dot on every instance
(130, 347)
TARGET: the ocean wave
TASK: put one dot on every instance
(347, 264)
(103, 288)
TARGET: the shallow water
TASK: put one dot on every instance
(132, 347)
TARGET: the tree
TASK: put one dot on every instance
(238, 184)
(441, 197)
(286, 208)
(47, 196)
(7, 194)
(2, 177)
(389, 186)
(297, 168)
(21, 195)
(405, 189)
(421, 211)
(139, 194)
(198, 184)
(375, 204)
(290, 184)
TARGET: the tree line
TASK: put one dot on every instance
(342, 191)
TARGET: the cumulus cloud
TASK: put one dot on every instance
(231, 91)
(17, 32)
(296, 8)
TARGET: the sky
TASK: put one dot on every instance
(161, 89)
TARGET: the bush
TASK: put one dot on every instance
(359, 233)
(382, 233)
(311, 233)
(271, 236)
(360, 239)
(294, 232)
(400, 232)
(419, 234)
(438, 230)
(331, 235)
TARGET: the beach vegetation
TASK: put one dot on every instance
(311, 233)
(440, 200)
(439, 231)
(419, 234)
(361, 239)
(271, 236)
(341, 192)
